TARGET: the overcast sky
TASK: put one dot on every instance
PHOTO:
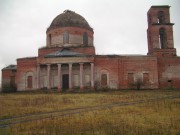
(119, 25)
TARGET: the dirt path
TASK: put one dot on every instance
(6, 122)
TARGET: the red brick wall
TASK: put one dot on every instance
(24, 67)
(71, 30)
(118, 68)
(169, 70)
(6, 76)
(86, 50)
(76, 31)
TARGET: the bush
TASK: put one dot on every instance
(7, 88)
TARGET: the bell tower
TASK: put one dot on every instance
(160, 32)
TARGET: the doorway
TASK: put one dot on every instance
(65, 81)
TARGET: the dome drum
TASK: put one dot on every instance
(69, 36)
(69, 29)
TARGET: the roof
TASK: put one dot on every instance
(10, 67)
(69, 19)
(161, 6)
(65, 53)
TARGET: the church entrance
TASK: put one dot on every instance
(65, 81)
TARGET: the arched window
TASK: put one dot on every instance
(85, 38)
(104, 78)
(162, 38)
(29, 82)
(49, 39)
(161, 18)
(66, 37)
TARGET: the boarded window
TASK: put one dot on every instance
(145, 78)
(29, 82)
(66, 37)
(76, 80)
(104, 80)
(130, 78)
(85, 38)
(87, 79)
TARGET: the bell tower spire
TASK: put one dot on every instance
(160, 32)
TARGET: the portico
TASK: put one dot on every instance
(80, 75)
(69, 74)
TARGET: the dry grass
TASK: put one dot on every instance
(157, 117)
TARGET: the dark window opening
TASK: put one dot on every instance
(65, 81)
(85, 38)
(162, 38)
(161, 18)
(169, 80)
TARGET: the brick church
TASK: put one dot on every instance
(68, 61)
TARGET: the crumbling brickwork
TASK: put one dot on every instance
(68, 61)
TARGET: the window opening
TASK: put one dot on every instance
(85, 38)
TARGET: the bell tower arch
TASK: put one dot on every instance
(160, 32)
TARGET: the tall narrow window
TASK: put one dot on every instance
(104, 80)
(162, 38)
(85, 38)
(29, 82)
(49, 39)
(66, 37)
(130, 78)
(145, 78)
(161, 18)
(76, 80)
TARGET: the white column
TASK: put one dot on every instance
(48, 76)
(38, 76)
(59, 78)
(70, 75)
(81, 75)
(92, 75)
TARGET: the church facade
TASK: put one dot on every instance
(68, 61)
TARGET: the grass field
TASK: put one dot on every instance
(149, 117)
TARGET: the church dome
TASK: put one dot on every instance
(69, 19)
